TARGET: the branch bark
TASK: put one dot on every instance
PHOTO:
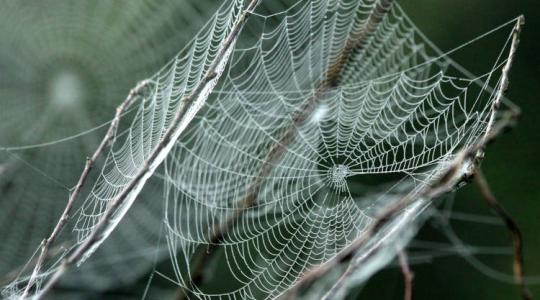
(408, 275)
(484, 188)
(171, 134)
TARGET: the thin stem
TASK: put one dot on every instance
(512, 226)
(505, 73)
(169, 137)
(408, 275)
(105, 142)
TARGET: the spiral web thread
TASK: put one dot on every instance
(395, 113)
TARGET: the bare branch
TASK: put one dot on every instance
(483, 186)
(105, 142)
(408, 275)
(512, 226)
(169, 137)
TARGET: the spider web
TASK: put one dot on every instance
(295, 172)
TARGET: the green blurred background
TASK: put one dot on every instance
(510, 166)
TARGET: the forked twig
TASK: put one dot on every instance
(408, 275)
(489, 198)
(105, 142)
(462, 168)
(355, 41)
(212, 75)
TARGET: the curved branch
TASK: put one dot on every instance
(489, 198)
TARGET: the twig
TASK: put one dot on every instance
(469, 157)
(169, 137)
(506, 71)
(483, 186)
(356, 41)
(408, 275)
(512, 226)
(105, 142)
